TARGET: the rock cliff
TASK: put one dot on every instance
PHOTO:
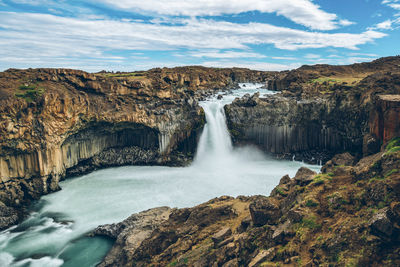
(59, 122)
(348, 215)
(322, 110)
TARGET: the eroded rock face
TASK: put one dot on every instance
(385, 118)
(58, 122)
(313, 129)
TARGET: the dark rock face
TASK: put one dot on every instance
(264, 210)
(313, 129)
(385, 118)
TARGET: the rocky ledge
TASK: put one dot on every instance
(322, 110)
(347, 215)
(56, 123)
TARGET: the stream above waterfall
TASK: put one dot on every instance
(54, 234)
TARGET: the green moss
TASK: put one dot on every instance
(27, 87)
(310, 203)
(393, 150)
(29, 92)
(310, 223)
(322, 178)
(375, 179)
(281, 191)
(395, 142)
(174, 263)
(318, 181)
(389, 173)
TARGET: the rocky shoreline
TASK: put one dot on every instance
(348, 215)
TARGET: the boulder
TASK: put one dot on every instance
(221, 235)
(304, 176)
(344, 159)
(262, 256)
(264, 210)
(381, 225)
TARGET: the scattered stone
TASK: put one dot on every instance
(344, 159)
(381, 225)
(221, 235)
(262, 256)
(304, 176)
(264, 210)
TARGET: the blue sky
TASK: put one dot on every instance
(129, 35)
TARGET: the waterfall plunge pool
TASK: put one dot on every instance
(54, 232)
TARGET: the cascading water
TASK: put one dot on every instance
(215, 142)
(54, 233)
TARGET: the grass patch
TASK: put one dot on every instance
(29, 92)
(375, 179)
(311, 203)
(393, 150)
(322, 178)
(281, 192)
(128, 74)
(391, 172)
(311, 223)
(395, 142)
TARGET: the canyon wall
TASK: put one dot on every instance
(311, 130)
(385, 118)
(322, 110)
(56, 123)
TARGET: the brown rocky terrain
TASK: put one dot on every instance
(58, 122)
(348, 215)
(322, 110)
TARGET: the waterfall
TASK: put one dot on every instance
(215, 146)
(215, 141)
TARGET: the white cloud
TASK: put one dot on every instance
(53, 38)
(284, 58)
(251, 65)
(224, 54)
(312, 56)
(304, 12)
(386, 25)
(392, 3)
(345, 22)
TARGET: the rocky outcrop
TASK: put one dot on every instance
(385, 118)
(347, 216)
(310, 129)
(322, 110)
(58, 122)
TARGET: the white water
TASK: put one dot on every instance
(54, 234)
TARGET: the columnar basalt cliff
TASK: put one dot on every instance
(58, 122)
(322, 110)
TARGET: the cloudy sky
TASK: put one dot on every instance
(127, 35)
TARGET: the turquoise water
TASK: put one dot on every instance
(55, 232)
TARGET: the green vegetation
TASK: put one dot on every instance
(391, 172)
(310, 223)
(322, 178)
(126, 74)
(311, 203)
(395, 142)
(29, 92)
(393, 145)
(281, 191)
